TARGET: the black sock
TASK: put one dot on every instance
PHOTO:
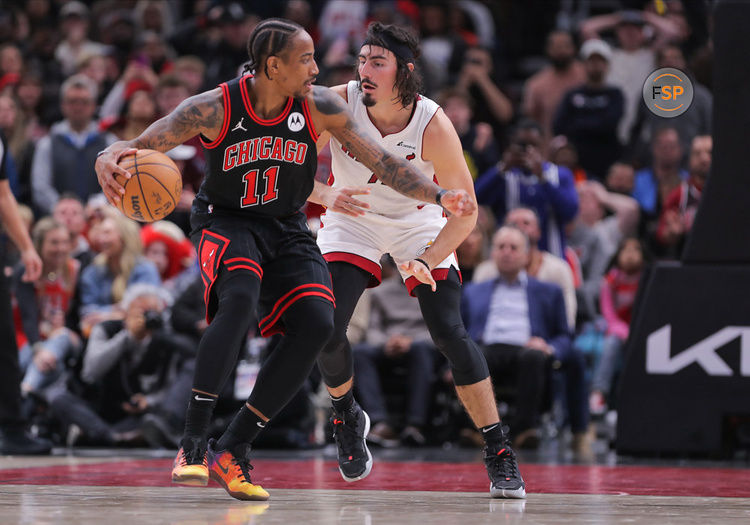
(199, 412)
(343, 403)
(244, 428)
(493, 435)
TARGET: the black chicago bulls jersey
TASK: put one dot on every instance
(259, 167)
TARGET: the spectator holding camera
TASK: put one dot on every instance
(130, 369)
(491, 105)
(525, 178)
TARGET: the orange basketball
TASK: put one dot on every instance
(153, 190)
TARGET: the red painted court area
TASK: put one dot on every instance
(404, 476)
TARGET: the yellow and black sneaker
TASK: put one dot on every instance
(191, 464)
(231, 470)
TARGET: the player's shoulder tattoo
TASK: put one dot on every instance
(327, 101)
(204, 111)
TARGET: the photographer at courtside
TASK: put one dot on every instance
(133, 370)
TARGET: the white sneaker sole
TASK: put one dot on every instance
(368, 467)
(508, 493)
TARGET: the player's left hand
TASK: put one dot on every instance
(458, 203)
(420, 271)
(343, 201)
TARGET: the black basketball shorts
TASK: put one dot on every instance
(280, 252)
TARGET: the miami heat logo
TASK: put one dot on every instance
(411, 156)
(295, 121)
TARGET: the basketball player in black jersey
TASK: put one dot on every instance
(253, 243)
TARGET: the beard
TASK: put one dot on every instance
(561, 63)
(367, 100)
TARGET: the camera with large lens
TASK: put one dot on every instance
(154, 320)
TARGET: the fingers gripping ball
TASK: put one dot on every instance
(154, 189)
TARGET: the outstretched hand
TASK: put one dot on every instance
(106, 167)
(458, 203)
(342, 200)
(420, 271)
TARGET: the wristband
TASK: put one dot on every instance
(422, 260)
(439, 196)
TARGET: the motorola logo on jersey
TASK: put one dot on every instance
(295, 121)
(264, 148)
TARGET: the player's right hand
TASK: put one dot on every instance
(32, 265)
(342, 200)
(458, 203)
(106, 166)
(420, 271)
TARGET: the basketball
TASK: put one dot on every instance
(153, 190)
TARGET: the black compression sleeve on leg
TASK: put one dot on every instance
(220, 347)
(442, 314)
(335, 360)
(222, 341)
(308, 325)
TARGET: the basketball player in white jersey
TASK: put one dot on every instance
(358, 230)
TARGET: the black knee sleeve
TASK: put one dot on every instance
(308, 325)
(222, 340)
(442, 314)
(335, 360)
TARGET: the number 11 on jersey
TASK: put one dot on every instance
(254, 193)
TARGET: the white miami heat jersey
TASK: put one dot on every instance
(406, 144)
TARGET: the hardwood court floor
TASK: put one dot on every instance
(133, 488)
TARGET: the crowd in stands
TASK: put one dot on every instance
(581, 187)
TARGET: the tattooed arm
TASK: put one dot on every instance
(330, 114)
(202, 113)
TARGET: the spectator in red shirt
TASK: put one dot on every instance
(681, 205)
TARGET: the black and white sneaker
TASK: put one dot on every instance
(502, 469)
(350, 430)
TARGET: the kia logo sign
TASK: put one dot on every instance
(660, 361)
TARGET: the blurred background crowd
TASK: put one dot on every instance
(546, 98)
